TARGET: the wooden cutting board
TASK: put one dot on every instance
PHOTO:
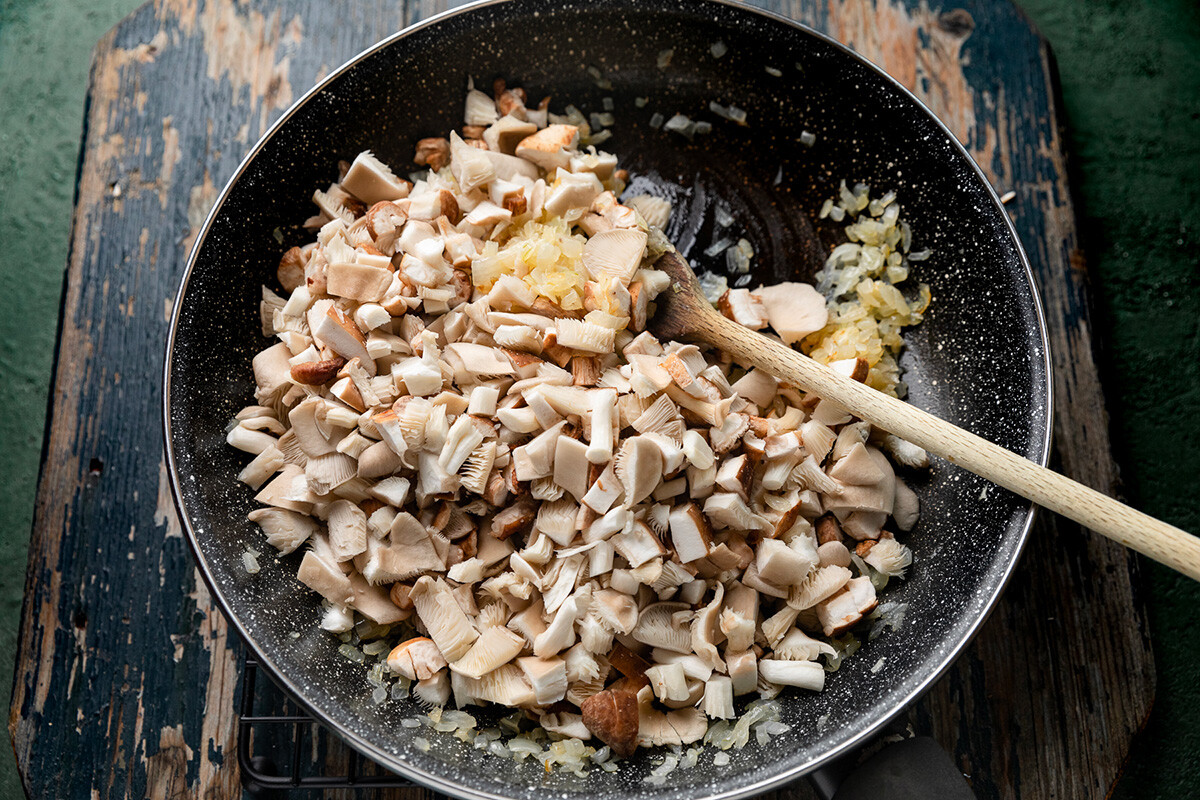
(127, 674)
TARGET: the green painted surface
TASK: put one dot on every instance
(1130, 74)
(1130, 71)
(45, 50)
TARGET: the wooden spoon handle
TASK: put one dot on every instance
(1164, 543)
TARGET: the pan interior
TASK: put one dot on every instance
(978, 360)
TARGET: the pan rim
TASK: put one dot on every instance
(435, 781)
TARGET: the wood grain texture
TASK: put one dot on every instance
(127, 675)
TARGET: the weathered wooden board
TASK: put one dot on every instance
(126, 675)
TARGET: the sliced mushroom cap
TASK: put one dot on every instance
(744, 308)
(272, 372)
(889, 557)
(834, 552)
(846, 608)
(571, 466)
(680, 727)
(443, 618)
(659, 625)
(372, 181)
(338, 332)
(706, 631)
(864, 525)
(879, 496)
(470, 167)
(278, 493)
(656, 211)
(378, 460)
(347, 530)
(362, 283)
(547, 676)
(504, 686)
(494, 647)
(548, 147)
(691, 532)
(818, 439)
(587, 337)
(572, 193)
(796, 645)
(782, 565)
(564, 723)
(907, 506)
(794, 309)
(856, 467)
(616, 611)
(613, 717)
(743, 671)
(556, 519)
(413, 546)
(306, 429)
(751, 578)
(668, 682)
(417, 659)
(324, 577)
(617, 252)
(434, 690)
(639, 468)
(820, 584)
(850, 435)
(638, 545)
(285, 530)
(506, 133)
(729, 510)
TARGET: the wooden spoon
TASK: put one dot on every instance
(684, 314)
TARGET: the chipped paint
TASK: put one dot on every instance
(218, 731)
(252, 51)
(166, 770)
(170, 157)
(164, 508)
(890, 34)
(200, 201)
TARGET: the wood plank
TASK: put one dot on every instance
(106, 700)
(1042, 704)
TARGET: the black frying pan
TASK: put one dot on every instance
(978, 360)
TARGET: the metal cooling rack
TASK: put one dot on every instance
(271, 747)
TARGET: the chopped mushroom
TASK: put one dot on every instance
(441, 615)
(549, 148)
(416, 659)
(845, 609)
(794, 309)
(690, 532)
(613, 717)
(371, 181)
(744, 308)
(536, 503)
(805, 674)
(285, 530)
(495, 647)
(680, 727)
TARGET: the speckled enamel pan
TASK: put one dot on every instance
(979, 360)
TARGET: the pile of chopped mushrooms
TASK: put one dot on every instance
(528, 497)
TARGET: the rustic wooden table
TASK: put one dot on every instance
(127, 675)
